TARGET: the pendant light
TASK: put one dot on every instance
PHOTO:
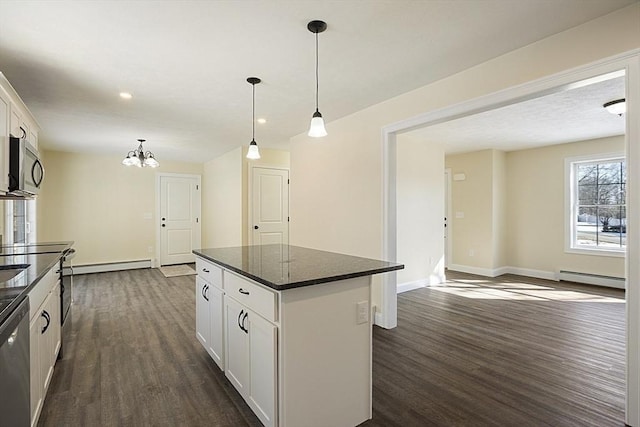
(253, 153)
(317, 129)
(140, 158)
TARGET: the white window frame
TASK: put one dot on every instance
(571, 205)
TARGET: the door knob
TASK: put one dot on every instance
(255, 227)
(163, 219)
(163, 225)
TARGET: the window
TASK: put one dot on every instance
(598, 214)
(19, 221)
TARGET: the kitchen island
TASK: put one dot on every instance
(291, 328)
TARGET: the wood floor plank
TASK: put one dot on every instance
(508, 351)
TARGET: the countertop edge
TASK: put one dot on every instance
(18, 299)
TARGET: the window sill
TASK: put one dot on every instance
(597, 252)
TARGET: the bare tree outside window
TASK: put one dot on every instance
(601, 220)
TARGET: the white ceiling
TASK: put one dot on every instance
(566, 116)
(186, 63)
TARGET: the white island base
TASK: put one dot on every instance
(324, 369)
(291, 328)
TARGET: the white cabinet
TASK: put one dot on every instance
(44, 332)
(203, 332)
(216, 325)
(251, 358)
(209, 310)
(237, 348)
(14, 118)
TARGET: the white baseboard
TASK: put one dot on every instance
(589, 279)
(420, 283)
(487, 272)
(111, 266)
(538, 274)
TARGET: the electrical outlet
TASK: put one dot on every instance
(150, 249)
(362, 312)
(472, 252)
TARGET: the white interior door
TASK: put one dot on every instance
(179, 218)
(269, 206)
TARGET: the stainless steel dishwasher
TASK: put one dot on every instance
(15, 386)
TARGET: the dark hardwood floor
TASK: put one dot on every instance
(509, 351)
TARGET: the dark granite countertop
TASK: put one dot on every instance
(39, 258)
(283, 267)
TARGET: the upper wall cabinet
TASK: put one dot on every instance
(15, 120)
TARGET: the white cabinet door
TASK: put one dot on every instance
(16, 122)
(237, 346)
(202, 313)
(35, 328)
(56, 313)
(216, 326)
(262, 371)
(47, 343)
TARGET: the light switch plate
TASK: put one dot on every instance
(363, 312)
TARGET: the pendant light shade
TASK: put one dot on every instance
(317, 128)
(140, 158)
(253, 153)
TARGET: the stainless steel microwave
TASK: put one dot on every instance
(25, 168)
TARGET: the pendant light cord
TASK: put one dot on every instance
(317, 78)
(253, 113)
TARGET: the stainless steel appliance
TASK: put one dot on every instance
(66, 295)
(25, 168)
(15, 381)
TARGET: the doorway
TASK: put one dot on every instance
(178, 210)
(448, 244)
(631, 65)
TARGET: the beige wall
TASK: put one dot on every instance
(101, 205)
(536, 214)
(336, 187)
(514, 210)
(222, 201)
(226, 194)
(472, 231)
(500, 204)
(420, 210)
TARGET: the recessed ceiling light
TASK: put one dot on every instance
(262, 120)
(125, 95)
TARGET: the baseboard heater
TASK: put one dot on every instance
(592, 279)
(111, 266)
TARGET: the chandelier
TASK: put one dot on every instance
(139, 158)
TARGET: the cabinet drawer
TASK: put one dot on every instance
(209, 272)
(252, 295)
(39, 293)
